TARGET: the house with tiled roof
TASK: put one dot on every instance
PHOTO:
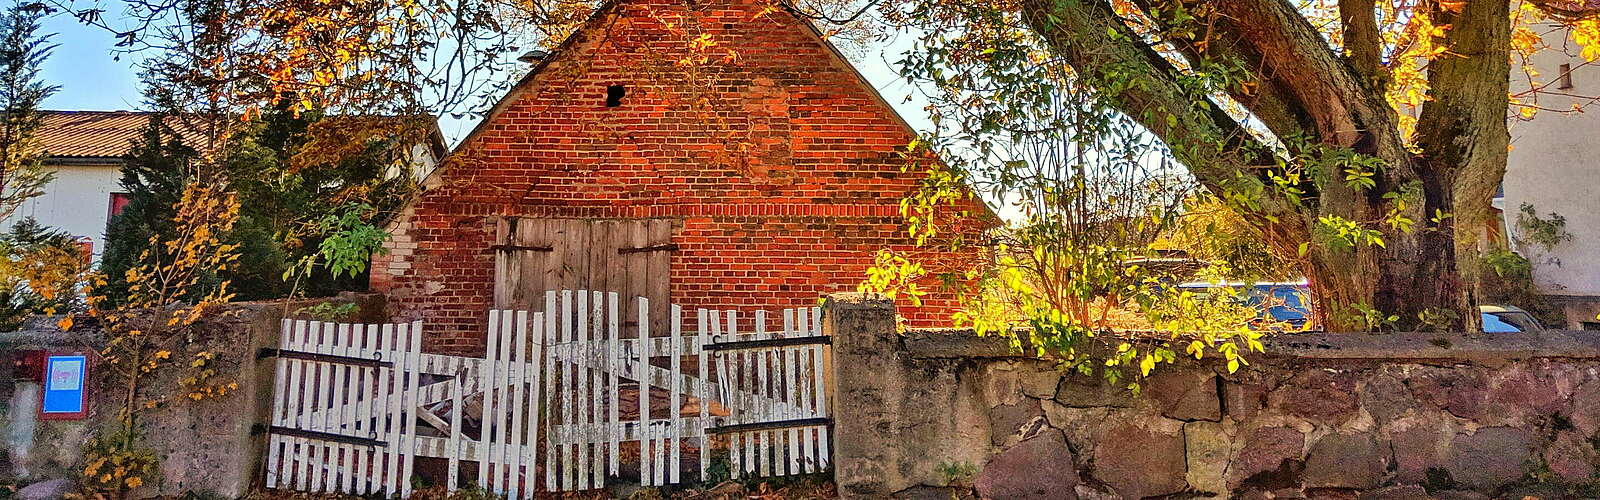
(85, 148)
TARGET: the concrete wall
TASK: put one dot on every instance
(931, 414)
(1554, 168)
(203, 447)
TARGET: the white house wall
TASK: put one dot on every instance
(1555, 167)
(78, 201)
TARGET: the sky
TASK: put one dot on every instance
(92, 78)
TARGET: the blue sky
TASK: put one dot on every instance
(92, 79)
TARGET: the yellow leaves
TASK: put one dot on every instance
(1586, 33)
(1527, 111)
(133, 482)
(163, 354)
(65, 323)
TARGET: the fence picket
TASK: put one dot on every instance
(675, 433)
(408, 429)
(705, 392)
(763, 407)
(453, 482)
(596, 336)
(641, 374)
(550, 462)
(581, 383)
(568, 417)
(322, 453)
(353, 395)
(389, 384)
(520, 378)
(725, 384)
(339, 480)
(279, 382)
(614, 365)
(824, 449)
(491, 367)
(794, 395)
(534, 413)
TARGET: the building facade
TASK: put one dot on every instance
(716, 154)
(1553, 170)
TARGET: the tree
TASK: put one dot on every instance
(154, 173)
(287, 187)
(1298, 116)
(22, 176)
(39, 272)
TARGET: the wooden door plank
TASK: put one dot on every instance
(659, 264)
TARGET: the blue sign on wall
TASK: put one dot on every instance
(63, 386)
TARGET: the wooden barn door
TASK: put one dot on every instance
(629, 256)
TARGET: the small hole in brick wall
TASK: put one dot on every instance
(614, 95)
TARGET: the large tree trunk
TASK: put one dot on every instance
(1422, 278)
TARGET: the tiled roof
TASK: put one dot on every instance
(94, 134)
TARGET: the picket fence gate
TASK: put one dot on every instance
(564, 398)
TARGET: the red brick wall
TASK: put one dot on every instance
(781, 164)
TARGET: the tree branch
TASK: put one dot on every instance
(1102, 49)
(1362, 45)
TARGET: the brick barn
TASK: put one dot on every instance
(715, 154)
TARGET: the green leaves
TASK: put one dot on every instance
(349, 240)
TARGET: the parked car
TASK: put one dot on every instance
(1502, 319)
(1289, 305)
(1280, 304)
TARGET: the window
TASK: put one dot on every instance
(119, 201)
(1564, 78)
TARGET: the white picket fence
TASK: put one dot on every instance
(341, 425)
(560, 399)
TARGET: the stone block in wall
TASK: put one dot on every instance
(1265, 449)
(1041, 467)
(1088, 391)
(1138, 462)
(1571, 457)
(1209, 449)
(1185, 394)
(1460, 392)
(1355, 461)
(1419, 445)
(1010, 423)
(1323, 395)
(1489, 458)
(1384, 396)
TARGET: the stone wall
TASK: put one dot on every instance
(1319, 415)
(203, 447)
